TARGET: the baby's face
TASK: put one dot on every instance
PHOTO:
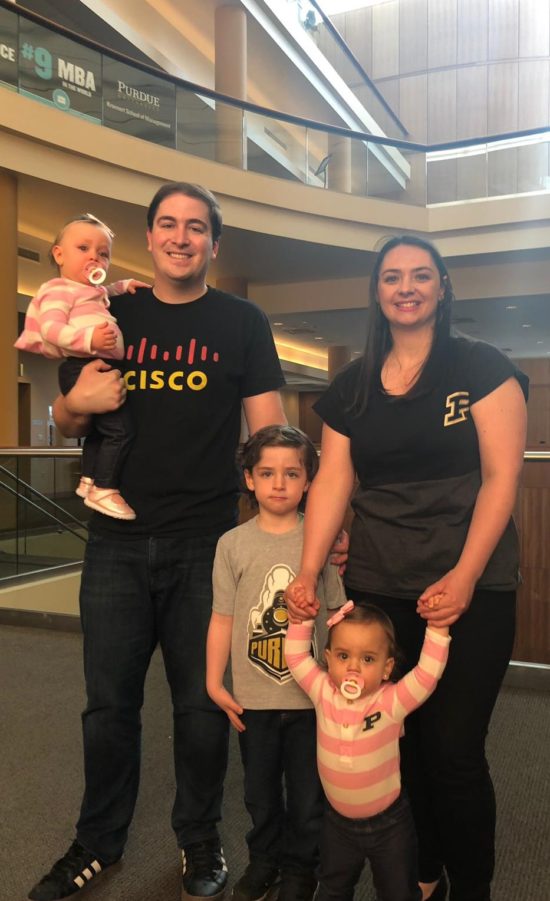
(82, 248)
(359, 650)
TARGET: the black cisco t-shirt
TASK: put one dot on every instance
(187, 367)
(418, 466)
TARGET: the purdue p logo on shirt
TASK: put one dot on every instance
(457, 406)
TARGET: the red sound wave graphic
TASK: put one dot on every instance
(192, 352)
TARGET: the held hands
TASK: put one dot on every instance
(446, 600)
(220, 695)
(300, 598)
(134, 283)
(103, 337)
(98, 389)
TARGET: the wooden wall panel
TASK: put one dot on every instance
(442, 33)
(442, 112)
(471, 101)
(533, 93)
(413, 36)
(472, 31)
(503, 32)
(385, 39)
(413, 105)
(358, 31)
(502, 91)
(534, 28)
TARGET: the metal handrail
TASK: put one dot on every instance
(265, 111)
(46, 500)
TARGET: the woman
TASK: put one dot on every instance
(434, 428)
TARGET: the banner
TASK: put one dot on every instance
(59, 71)
(139, 104)
(8, 49)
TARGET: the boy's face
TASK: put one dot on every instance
(83, 247)
(278, 479)
(359, 649)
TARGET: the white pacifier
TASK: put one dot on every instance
(97, 275)
(352, 687)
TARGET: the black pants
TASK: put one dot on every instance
(387, 840)
(107, 445)
(443, 761)
(280, 746)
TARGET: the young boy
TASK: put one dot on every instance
(276, 723)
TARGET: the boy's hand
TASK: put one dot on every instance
(228, 704)
(339, 552)
(134, 283)
(103, 337)
(301, 600)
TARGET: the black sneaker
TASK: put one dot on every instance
(68, 875)
(256, 882)
(204, 871)
(298, 885)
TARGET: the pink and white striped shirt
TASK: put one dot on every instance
(61, 318)
(358, 741)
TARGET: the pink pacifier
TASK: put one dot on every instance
(352, 687)
(96, 275)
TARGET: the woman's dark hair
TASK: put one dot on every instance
(277, 436)
(188, 190)
(367, 615)
(379, 340)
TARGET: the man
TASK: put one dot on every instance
(193, 356)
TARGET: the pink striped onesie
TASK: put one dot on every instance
(358, 741)
(62, 316)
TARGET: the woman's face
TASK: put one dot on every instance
(409, 287)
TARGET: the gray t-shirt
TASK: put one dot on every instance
(251, 571)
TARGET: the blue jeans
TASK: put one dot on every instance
(136, 593)
(387, 840)
(277, 745)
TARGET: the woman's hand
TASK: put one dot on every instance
(446, 600)
(301, 599)
(220, 695)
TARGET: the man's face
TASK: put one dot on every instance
(180, 243)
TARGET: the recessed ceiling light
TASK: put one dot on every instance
(511, 307)
(318, 338)
(540, 342)
(526, 325)
(278, 323)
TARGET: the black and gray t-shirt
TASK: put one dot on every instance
(417, 461)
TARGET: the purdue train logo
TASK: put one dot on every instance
(458, 407)
(267, 625)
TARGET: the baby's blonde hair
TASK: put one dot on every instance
(82, 217)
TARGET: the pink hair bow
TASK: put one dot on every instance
(340, 614)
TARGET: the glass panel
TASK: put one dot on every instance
(196, 124)
(42, 521)
(276, 148)
(471, 175)
(396, 175)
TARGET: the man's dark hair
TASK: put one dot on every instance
(277, 436)
(189, 190)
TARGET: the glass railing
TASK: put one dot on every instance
(43, 525)
(69, 73)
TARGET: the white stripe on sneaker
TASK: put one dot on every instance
(87, 874)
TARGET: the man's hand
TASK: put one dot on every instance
(228, 704)
(103, 337)
(98, 389)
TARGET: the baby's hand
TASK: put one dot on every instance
(103, 337)
(134, 283)
(433, 602)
